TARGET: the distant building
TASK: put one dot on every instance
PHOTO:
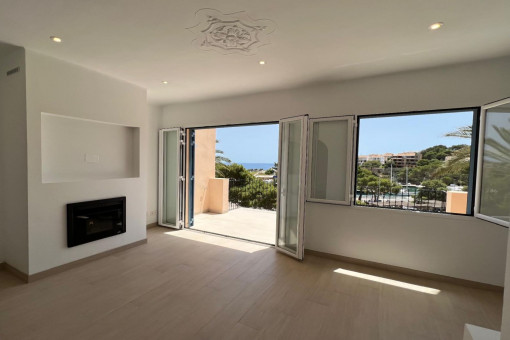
(400, 160)
(406, 159)
(374, 157)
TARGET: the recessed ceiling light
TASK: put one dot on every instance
(262, 62)
(436, 26)
(56, 39)
(164, 82)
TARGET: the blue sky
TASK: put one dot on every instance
(259, 143)
(410, 133)
(249, 144)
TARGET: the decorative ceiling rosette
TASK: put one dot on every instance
(230, 33)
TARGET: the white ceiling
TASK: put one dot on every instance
(145, 42)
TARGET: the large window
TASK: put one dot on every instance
(421, 162)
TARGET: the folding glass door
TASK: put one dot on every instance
(171, 178)
(291, 186)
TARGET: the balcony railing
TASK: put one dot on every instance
(420, 200)
(258, 194)
(253, 193)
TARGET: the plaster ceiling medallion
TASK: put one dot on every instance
(230, 33)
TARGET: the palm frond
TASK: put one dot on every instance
(462, 132)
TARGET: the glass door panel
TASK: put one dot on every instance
(291, 186)
(171, 180)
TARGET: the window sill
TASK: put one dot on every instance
(421, 213)
(401, 211)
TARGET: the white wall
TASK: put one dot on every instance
(57, 87)
(461, 247)
(154, 123)
(505, 324)
(13, 163)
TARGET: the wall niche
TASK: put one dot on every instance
(75, 149)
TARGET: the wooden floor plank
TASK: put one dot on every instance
(190, 285)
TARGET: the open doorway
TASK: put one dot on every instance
(232, 186)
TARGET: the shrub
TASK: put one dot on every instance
(254, 194)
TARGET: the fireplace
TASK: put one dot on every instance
(94, 220)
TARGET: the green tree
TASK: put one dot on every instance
(385, 186)
(424, 172)
(220, 158)
(373, 186)
(389, 164)
(456, 169)
(400, 175)
(433, 189)
(221, 170)
(363, 178)
(438, 152)
(423, 162)
(247, 190)
(222, 163)
(462, 132)
(371, 165)
(255, 194)
(236, 172)
(434, 184)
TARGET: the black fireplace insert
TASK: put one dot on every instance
(94, 220)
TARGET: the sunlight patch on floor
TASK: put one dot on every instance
(243, 246)
(395, 283)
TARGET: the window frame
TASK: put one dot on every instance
(348, 165)
(480, 148)
(473, 168)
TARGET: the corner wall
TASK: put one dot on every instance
(13, 163)
(505, 324)
(58, 87)
(462, 247)
(153, 126)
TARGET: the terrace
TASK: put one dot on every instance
(242, 207)
(246, 223)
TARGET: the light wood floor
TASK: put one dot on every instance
(188, 285)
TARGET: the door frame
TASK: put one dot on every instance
(303, 158)
(191, 178)
(191, 170)
(180, 178)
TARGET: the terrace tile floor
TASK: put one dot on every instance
(246, 223)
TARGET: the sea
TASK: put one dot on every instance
(263, 166)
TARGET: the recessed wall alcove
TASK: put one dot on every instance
(75, 149)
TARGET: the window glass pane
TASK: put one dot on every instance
(418, 162)
(495, 184)
(329, 168)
